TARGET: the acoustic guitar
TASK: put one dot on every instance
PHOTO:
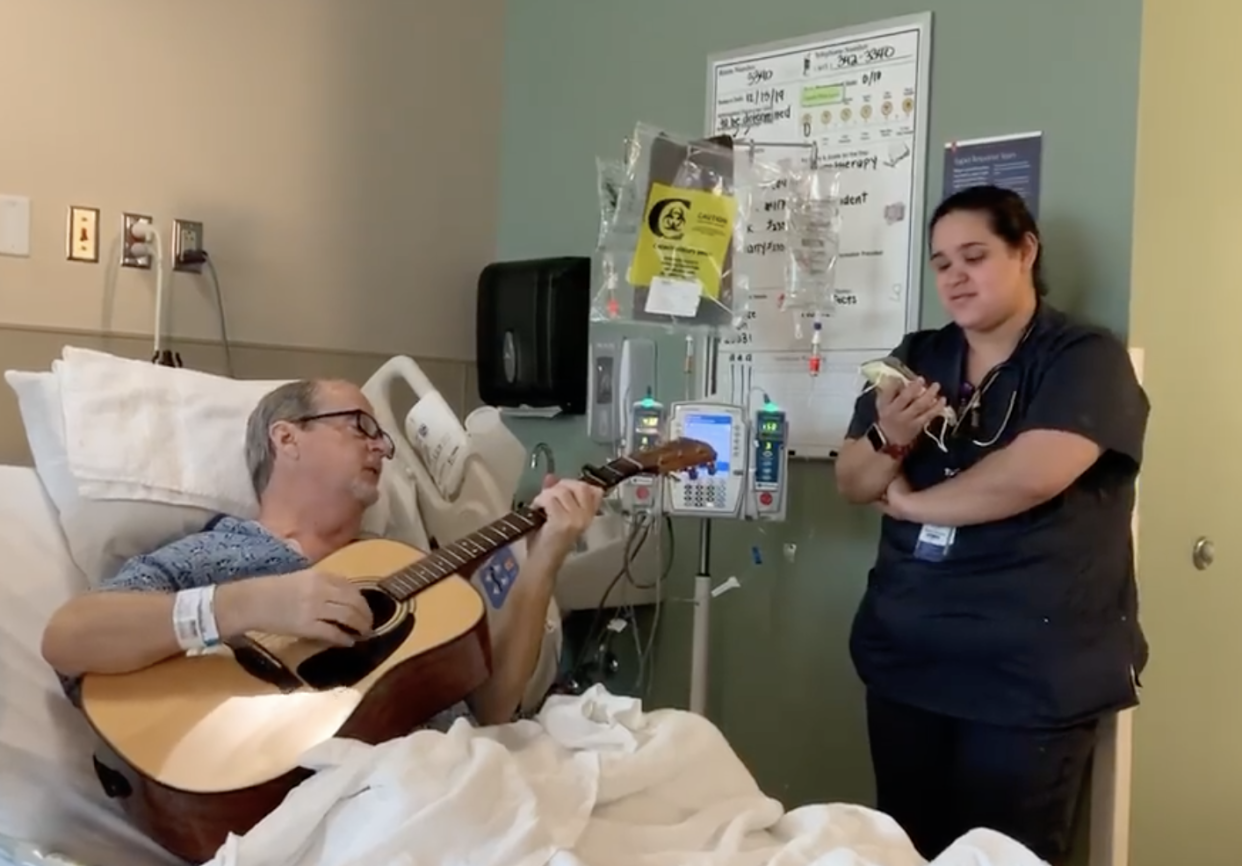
(197, 747)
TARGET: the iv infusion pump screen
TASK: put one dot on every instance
(713, 430)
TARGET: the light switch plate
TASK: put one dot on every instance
(82, 234)
(14, 225)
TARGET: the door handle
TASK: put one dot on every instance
(1203, 554)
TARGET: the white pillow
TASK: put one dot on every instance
(38, 401)
(142, 431)
(103, 534)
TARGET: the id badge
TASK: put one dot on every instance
(934, 543)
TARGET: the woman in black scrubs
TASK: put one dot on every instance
(999, 623)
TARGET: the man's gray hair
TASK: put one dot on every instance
(290, 402)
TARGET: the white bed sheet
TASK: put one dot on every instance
(594, 781)
(48, 790)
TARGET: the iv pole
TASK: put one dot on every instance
(700, 636)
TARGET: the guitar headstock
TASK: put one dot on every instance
(678, 455)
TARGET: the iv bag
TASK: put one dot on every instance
(666, 246)
(813, 221)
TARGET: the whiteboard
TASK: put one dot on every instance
(855, 99)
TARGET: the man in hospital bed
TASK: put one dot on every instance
(314, 451)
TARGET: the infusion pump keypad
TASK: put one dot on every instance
(705, 493)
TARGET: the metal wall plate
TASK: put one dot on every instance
(187, 237)
(129, 258)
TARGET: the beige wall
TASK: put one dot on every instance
(343, 155)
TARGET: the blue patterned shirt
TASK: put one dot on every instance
(227, 549)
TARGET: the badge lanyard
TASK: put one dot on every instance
(935, 542)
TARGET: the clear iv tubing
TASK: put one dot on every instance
(688, 369)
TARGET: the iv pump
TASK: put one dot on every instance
(769, 464)
(645, 430)
(752, 461)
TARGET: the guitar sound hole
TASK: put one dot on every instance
(344, 666)
(383, 606)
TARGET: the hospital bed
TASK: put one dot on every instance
(48, 789)
(592, 781)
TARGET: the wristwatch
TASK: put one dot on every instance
(882, 446)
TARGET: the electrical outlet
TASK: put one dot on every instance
(129, 258)
(82, 234)
(187, 238)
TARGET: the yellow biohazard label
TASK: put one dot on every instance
(685, 235)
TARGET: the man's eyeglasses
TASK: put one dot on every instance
(363, 422)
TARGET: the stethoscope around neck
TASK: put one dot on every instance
(971, 409)
(949, 429)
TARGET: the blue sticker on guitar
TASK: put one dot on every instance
(498, 576)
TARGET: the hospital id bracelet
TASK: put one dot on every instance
(194, 618)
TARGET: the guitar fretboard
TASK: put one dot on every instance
(458, 557)
(461, 555)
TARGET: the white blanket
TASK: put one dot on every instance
(139, 431)
(594, 782)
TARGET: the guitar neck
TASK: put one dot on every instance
(464, 555)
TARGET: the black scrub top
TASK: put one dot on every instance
(1031, 621)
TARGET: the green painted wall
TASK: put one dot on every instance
(580, 73)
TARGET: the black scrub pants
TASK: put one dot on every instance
(940, 777)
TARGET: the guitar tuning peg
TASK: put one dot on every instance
(692, 474)
(711, 468)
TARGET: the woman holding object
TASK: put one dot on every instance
(999, 622)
